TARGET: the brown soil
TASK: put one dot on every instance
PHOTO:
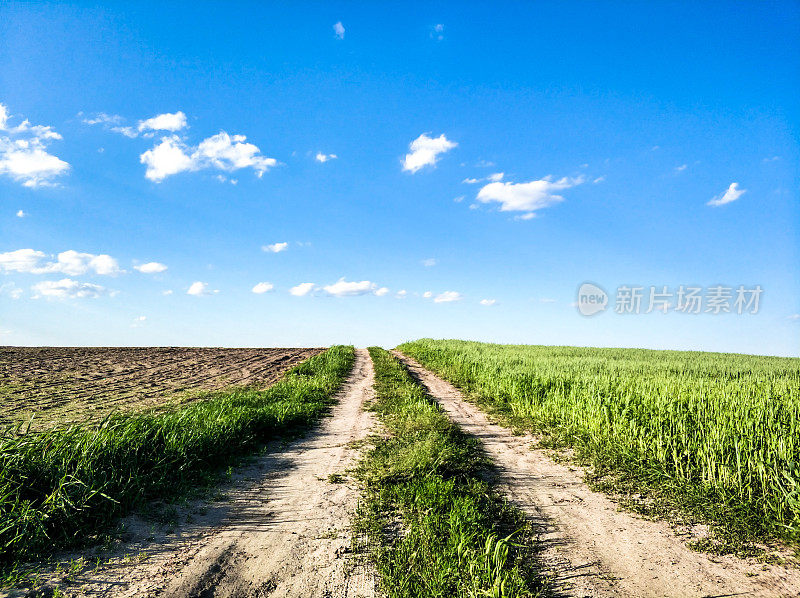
(283, 529)
(590, 547)
(62, 385)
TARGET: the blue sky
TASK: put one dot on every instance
(151, 150)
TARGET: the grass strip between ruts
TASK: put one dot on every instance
(429, 521)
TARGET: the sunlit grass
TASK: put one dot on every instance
(720, 433)
(59, 487)
(432, 525)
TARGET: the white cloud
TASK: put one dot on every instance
(599, 179)
(793, 317)
(164, 122)
(101, 118)
(320, 157)
(681, 168)
(138, 321)
(427, 294)
(165, 159)
(429, 262)
(10, 289)
(21, 260)
(303, 289)
(447, 297)
(68, 262)
(23, 154)
(167, 292)
(112, 122)
(381, 292)
(527, 197)
(21, 214)
(275, 247)
(263, 287)
(338, 30)
(221, 151)
(67, 288)
(772, 159)
(401, 294)
(492, 178)
(437, 32)
(546, 300)
(342, 288)
(458, 199)
(150, 268)
(425, 151)
(488, 302)
(199, 288)
(732, 193)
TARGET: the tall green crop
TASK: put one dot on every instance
(722, 426)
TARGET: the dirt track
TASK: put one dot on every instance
(589, 547)
(282, 531)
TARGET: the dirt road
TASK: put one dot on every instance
(283, 530)
(589, 547)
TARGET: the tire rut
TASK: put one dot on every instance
(284, 533)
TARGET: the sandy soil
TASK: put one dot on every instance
(75, 384)
(590, 547)
(283, 530)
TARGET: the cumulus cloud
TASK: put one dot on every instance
(302, 289)
(527, 197)
(338, 30)
(275, 247)
(150, 268)
(447, 297)
(199, 288)
(425, 151)
(263, 287)
(488, 302)
(381, 292)
(164, 122)
(429, 262)
(68, 262)
(732, 193)
(21, 214)
(23, 153)
(66, 288)
(342, 288)
(221, 151)
(320, 157)
(401, 294)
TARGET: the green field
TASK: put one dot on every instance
(715, 435)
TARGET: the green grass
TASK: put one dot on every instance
(59, 487)
(433, 527)
(716, 436)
